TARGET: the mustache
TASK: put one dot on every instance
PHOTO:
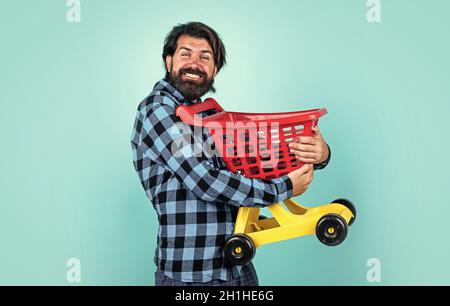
(192, 71)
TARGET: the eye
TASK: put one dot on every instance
(184, 54)
(205, 57)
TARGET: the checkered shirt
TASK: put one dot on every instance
(196, 198)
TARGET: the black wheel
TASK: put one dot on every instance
(262, 217)
(239, 249)
(331, 229)
(349, 205)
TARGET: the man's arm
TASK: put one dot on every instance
(158, 133)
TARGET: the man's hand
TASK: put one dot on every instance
(301, 178)
(310, 150)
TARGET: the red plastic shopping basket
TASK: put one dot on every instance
(253, 144)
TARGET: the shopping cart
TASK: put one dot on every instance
(256, 146)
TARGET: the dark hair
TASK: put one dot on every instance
(197, 30)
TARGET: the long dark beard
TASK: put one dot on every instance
(191, 90)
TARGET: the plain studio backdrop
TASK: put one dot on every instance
(69, 93)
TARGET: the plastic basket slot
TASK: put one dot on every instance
(299, 127)
(237, 162)
(245, 136)
(278, 154)
(254, 170)
(268, 169)
(231, 151)
(265, 157)
(249, 148)
(227, 139)
(282, 165)
(271, 177)
(261, 135)
(264, 151)
(251, 160)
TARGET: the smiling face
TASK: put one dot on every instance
(192, 68)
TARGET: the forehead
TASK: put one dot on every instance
(193, 43)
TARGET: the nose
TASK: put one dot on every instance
(195, 63)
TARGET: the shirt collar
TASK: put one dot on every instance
(164, 85)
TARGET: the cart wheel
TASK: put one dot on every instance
(349, 205)
(331, 229)
(239, 249)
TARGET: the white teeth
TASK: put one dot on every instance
(194, 76)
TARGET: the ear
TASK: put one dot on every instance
(168, 62)
(215, 71)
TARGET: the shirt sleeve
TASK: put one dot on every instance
(160, 134)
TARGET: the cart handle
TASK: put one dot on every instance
(187, 112)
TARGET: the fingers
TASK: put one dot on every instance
(309, 150)
(308, 176)
(302, 147)
(309, 167)
(316, 130)
(308, 161)
(310, 155)
(302, 154)
(305, 140)
(304, 160)
(304, 169)
(309, 170)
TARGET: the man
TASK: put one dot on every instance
(195, 197)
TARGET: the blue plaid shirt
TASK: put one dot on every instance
(196, 197)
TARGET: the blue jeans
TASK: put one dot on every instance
(248, 278)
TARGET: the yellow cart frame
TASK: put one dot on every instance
(329, 222)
